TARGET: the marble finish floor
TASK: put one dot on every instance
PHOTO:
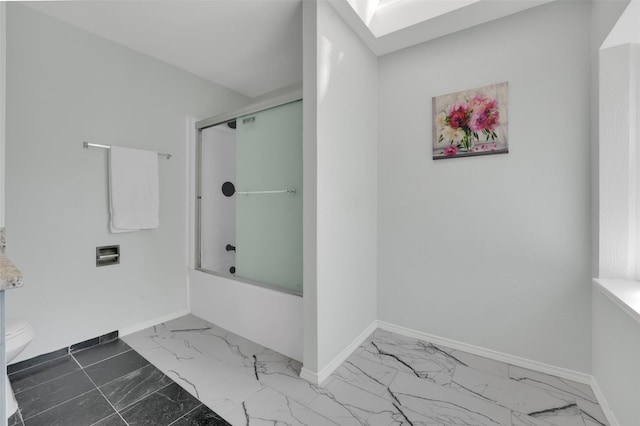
(105, 385)
(389, 380)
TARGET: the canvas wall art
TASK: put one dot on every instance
(471, 122)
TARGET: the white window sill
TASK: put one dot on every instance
(625, 294)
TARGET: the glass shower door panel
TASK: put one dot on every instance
(269, 224)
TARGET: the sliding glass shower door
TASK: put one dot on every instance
(269, 196)
(249, 197)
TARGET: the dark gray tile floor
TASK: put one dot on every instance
(104, 385)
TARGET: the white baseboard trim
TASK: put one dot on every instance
(488, 353)
(125, 331)
(604, 405)
(322, 375)
(309, 375)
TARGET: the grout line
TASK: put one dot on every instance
(187, 413)
(133, 403)
(45, 382)
(101, 393)
(57, 405)
(20, 416)
(102, 360)
(145, 397)
(38, 364)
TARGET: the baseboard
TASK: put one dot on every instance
(309, 376)
(488, 353)
(322, 375)
(319, 378)
(125, 331)
(604, 405)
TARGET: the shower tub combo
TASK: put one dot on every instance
(247, 274)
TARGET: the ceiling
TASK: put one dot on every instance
(255, 46)
(250, 46)
(390, 25)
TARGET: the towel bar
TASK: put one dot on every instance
(95, 145)
(281, 191)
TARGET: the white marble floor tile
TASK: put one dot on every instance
(228, 347)
(552, 383)
(185, 357)
(143, 339)
(570, 416)
(368, 375)
(519, 419)
(459, 357)
(508, 393)
(390, 380)
(348, 405)
(282, 374)
(435, 362)
(592, 413)
(219, 387)
(444, 405)
(479, 362)
(411, 356)
(270, 408)
(563, 388)
(588, 421)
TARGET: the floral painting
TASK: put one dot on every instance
(472, 122)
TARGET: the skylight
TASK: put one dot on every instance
(389, 25)
(383, 17)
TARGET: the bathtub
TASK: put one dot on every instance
(263, 315)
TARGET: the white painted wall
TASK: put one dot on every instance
(310, 185)
(3, 62)
(616, 333)
(346, 199)
(619, 177)
(492, 251)
(604, 14)
(66, 86)
(616, 345)
(3, 34)
(218, 225)
(626, 29)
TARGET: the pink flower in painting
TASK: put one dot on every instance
(451, 150)
(458, 115)
(484, 115)
(463, 122)
(478, 100)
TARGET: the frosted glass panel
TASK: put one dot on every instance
(269, 225)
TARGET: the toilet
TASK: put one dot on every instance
(18, 335)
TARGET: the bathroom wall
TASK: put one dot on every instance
(616, 345)
(66, 86)
(218, 225)
(3, 57)
(615, 316)
(502, 243)
(340, 294)
(604, 14)
(619, 209)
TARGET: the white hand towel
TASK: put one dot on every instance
(134, 190)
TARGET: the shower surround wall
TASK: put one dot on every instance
(218, 226)
(65, 85)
